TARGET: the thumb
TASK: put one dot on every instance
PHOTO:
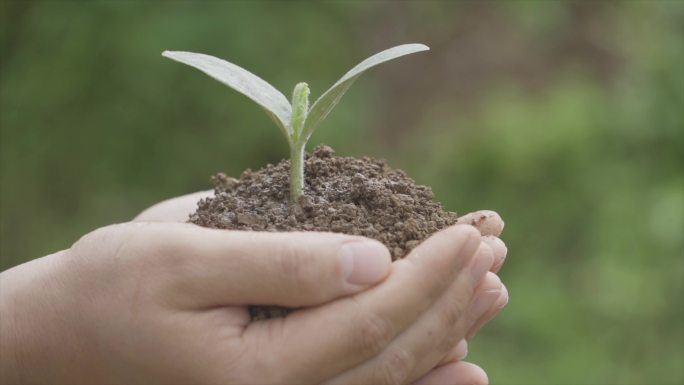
(221, 267)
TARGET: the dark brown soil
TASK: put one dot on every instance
(346, 195)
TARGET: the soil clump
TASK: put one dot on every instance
(341, 194)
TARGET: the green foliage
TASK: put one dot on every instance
(293, 120)
(566, 117)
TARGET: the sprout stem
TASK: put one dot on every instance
(296, 171)
(300, 110)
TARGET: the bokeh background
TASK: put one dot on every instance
(564, 116)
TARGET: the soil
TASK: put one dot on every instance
(346, 195)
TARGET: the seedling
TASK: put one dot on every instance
(296, 120)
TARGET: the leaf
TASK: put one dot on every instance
(300, 109)
(242, 81)
(322, 107)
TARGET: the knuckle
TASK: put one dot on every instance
(394, 367)
(96, 237)
(154, 248)
(374, 333)
(111, 242)
(137, 246)
(299, 273)
(452, 313)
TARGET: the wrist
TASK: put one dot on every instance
(27, 334)
(9, 362)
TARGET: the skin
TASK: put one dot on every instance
(159, 301)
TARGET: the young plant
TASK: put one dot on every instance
(296, 120)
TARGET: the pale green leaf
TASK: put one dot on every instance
(243, 81)
(322, 107)
(300, 109)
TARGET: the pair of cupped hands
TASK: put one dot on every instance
(156, 300)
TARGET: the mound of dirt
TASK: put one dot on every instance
(346, 195)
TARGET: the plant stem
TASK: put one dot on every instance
(300, 110)
(296, 171)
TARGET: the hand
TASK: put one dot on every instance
(450, 368)
(164, 302)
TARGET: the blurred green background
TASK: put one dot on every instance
(565, 117)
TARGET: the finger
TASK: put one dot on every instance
(457, 373)
(173, 210)
(486, 221)
(426, 341)
(500, 251)
(458, 353)
(500, 303)
(321, 342)
(432, 353)
(208, 267)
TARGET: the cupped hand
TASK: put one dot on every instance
(167, 302)
(488, 223)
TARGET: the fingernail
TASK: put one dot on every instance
(462, 349)
(500, 250)
(484, 301)
(480, 265)
(497, 245)
(364, 262)
(503, 298)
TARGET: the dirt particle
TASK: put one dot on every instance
(249, 219)
(323, 151)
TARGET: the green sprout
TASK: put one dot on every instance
(296, 120)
